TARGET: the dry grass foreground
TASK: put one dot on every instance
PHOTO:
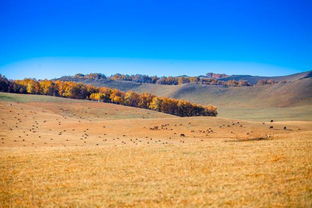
(86, 154)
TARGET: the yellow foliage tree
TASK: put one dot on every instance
(156, 103)
(117, 96)
(132, 98)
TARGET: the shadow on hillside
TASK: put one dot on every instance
(249, 139)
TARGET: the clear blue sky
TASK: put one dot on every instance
(51, 38)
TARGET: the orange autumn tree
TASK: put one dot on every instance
(47, 87)
(132, 98)
(145, 100)
(156, 104)
(97, 96)
(106, 93)
(32, 86)
(117, 96)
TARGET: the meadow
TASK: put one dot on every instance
(57, 152)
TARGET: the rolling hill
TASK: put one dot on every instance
(255, 79)
(118, 84)
(290, 100)
(282, 101)
(80, 109)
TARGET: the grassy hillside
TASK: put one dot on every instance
(278, 95)
(161, 90)
(80, 109)
(283, 101)
(24, 98)
(255, 79)
(121, 85)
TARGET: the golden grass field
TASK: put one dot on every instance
(70, 153)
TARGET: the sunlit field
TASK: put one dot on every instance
(70, 153)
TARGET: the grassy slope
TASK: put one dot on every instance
(24, 98)
(290, 101)
(278, 95)
(77, 108)
(255, 79)
(121, 85)
(118, 84)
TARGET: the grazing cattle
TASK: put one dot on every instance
(154, 128)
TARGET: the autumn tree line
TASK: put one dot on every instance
(170, 80)
(103, 94)
(208, 79)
